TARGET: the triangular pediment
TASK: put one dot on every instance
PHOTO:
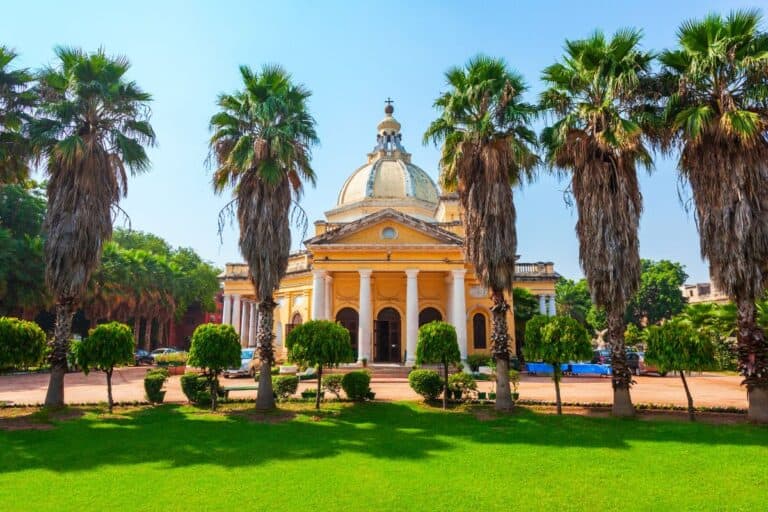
(372, 230)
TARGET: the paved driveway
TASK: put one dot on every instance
(708, 389)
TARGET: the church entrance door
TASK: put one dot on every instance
(348, 318)
(387, 339)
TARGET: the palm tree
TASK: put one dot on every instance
(16, 100)
(487, 148)
(92, 128)
(262, 140)
(717, 117)
(593, 100)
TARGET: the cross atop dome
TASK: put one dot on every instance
(389, 109)
(388, 135)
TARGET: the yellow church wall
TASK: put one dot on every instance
(372, 234)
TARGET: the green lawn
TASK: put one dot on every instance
(380, 456)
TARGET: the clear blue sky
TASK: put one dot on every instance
(352, 55)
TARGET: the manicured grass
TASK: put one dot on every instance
(380, 456)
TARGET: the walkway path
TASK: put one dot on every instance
(708, 389)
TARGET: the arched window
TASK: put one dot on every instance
(429, 315)
(296, 320)
(478, 331)
(348, 318)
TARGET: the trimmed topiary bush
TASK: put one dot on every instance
(22, 343)
(356, 385)
(196, 389)
(319, 343)
(438, 344)
(475, 361)
(284, 386)
(153, 385)
(332, 383)
(461, 384)
(214, 347)
(107, 346)
(426, 383)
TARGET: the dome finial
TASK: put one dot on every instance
(389, 109)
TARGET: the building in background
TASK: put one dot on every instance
(704, 292)
(388, 258)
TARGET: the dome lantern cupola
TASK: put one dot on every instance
(387, 180)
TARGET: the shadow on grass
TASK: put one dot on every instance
(178, 436)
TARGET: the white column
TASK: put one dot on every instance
(366, 315)
(552, 311)
(542, 305)
(254, 325)
(449, 300)
(236, 307)
(411, 314)
(318, 294)
(460, 311)
(226, 312)
(328, 297)
(245, 316)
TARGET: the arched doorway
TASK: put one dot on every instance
(348, 318)
(429, 315)
(387, 340)
(296, 320)
(478, 331)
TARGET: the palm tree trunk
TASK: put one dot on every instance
(109, 390)
(753, 360)
(265, 399)
(319, 380)
(137, 329)
(58, 358)
(622, 376)
(147, 333)
(500, 349)
(688, 396)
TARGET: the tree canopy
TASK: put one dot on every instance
(437, 343)
(319, 343)
(659, 296)
(106, 346)
(22, 343)
(215, 347)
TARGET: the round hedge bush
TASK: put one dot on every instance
(22, 343)
(284, 386)
(356, 385)
(427, 383)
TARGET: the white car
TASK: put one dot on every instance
(247, 365)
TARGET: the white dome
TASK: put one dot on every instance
(388, 177)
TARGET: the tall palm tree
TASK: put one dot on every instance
(593, 100)
(487, 148)
(717, 117)
(91, 131)
(16, 100)
(262, 140)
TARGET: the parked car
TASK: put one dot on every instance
(647, 368)
(634, 361)
(247, 365)
(161, 350)
(142, 357)
(602, 356)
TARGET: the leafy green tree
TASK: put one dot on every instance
(596, 318)
(525, 306)
(597, 136)
(573, 299)
(22, 266)
(716, 113)
(488, 147)
(319, 343)
(437, 343)
(105, 347)
(261, 143)
(91, 130)
(557, 340)
(677, 346)
(659, 296)
(633, 335)
(16, 101)
(22, 343)
(215, 347)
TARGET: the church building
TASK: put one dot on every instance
(388, 258)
